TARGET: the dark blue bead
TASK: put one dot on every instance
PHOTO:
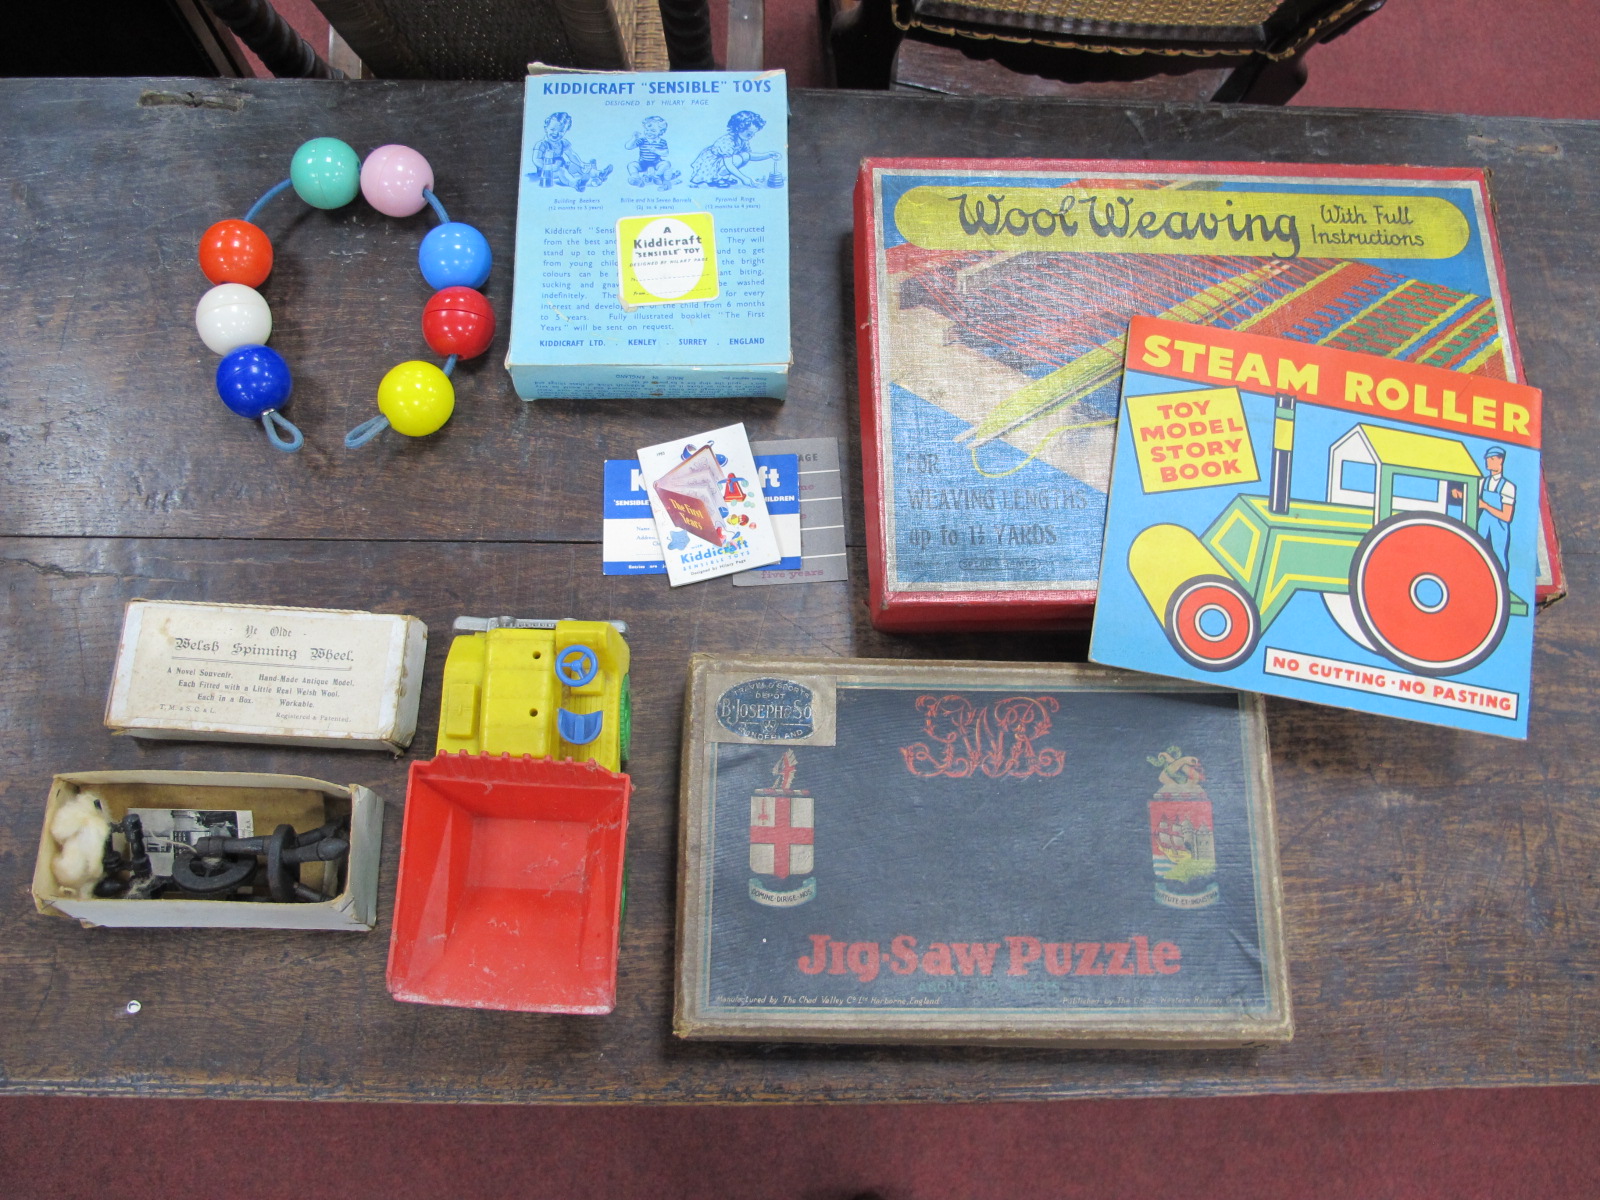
(253, 380)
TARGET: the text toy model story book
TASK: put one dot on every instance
(710, 514)
(879, 850)
(1324, 525)
(993, 300)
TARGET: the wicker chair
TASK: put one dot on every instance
(1253, 48)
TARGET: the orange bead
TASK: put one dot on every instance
(235, 251)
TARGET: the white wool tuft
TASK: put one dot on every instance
(80, 828)
(73, 815)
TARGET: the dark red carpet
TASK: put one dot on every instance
(1461, 1145)
(1532, 58)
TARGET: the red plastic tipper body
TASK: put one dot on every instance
(511, 885)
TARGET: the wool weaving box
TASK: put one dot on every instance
(886, 851)
(652, 236)
(993, 299)
(335, 678)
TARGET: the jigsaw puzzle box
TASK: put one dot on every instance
(887, 851)
(652, 236)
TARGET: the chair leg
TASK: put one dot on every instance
(1263, 81)
(863, 40)
(686, 25)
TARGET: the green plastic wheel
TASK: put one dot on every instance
(625, 721)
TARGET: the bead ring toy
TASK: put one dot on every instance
(415, 398)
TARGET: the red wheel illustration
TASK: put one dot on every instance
(1212, 622)
(1429, 593)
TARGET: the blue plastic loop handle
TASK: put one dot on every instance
(438, 209)
(277, 426)
(577, 665)
(365, 432)
(276, 189)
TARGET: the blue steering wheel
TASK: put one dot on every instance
(577, 665)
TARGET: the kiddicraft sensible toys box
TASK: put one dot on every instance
(652, 236)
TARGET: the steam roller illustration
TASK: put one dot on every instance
(1400, 570)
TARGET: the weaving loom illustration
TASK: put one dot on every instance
(1061, 320)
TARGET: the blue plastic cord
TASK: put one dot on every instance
(272, 420)
(275, 190)
(450, 364)
(365, 432)
(444, 217)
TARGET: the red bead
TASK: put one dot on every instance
(459, 321)
(234, 251)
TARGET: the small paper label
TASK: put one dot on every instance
(667, 259)
(763, 710)
(281, 672)
(767, 710)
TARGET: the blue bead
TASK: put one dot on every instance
(455, 255)
(253, 380)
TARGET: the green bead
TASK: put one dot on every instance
(326, 173)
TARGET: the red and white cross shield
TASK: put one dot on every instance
(782, 832)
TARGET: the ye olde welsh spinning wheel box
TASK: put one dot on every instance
(887, 851)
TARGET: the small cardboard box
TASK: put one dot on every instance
(652, 236)
(274, 799)
(253, 673)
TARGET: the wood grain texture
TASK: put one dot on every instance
(1441, 903)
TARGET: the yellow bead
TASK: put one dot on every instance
(417, 397)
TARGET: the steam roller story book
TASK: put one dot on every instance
(1324, 525)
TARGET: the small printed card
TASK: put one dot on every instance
(706, 498)
(1310, 522)
(629, 545)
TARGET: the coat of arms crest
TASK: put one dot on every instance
(783, 829)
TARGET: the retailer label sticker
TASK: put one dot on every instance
(668, 259)
(768, 709)
(763, 710)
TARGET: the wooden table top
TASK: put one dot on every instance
(1441, 899)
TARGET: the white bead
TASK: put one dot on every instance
(231, 315)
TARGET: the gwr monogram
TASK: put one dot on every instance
(996, 740)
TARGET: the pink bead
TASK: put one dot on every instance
(392, 180)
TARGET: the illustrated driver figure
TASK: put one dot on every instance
(1497, 499)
